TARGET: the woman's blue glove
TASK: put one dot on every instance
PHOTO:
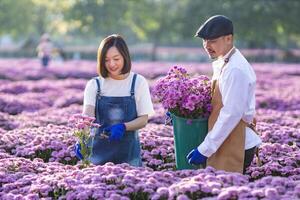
(196, 158)
(116, 131)
(78, 151)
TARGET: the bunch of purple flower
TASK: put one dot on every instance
(184, 95)
(85, 129)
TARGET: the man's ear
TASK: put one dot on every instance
(229, 39)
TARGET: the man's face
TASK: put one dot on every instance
(217, 47)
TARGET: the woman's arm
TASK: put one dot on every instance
(89, 110)
(133, 125)
(137, 123)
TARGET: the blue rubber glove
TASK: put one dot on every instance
(168, 120)
(78, 151)
(196, 158)
(116, 131)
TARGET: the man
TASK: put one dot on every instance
(230, 143)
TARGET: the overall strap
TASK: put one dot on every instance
(132, 85)
(98, 86)
(97, 99)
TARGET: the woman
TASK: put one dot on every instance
(44, 50)
(121, 102)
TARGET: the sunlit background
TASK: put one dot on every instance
(37, 158)
(266, 30)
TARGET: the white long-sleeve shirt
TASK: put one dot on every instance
(237, 86)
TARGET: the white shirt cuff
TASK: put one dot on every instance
(204, 150)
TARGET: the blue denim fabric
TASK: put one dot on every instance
(110, 111)
(45, 61)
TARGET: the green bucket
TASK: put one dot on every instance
(188, 134)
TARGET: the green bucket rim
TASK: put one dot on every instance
(191, 119)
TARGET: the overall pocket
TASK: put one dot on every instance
(113, 113)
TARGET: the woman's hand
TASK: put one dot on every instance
(78, 151)
(116, 131)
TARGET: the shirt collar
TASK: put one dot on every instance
(228, 53)
(217, 64)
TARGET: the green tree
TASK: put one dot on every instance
(98, 17)
(156, 21)
(15, 17)
(257, 23)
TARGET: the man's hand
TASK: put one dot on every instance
(168, 119)
(78, 151)
(116, 131)
(196, 158)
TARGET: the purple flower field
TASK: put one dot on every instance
(36, 144)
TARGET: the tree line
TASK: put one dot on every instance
(258, 23)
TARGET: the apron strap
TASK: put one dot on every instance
(252, 126)
(98, 86)
(132, 85)
(226, 60)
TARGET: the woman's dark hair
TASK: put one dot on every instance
(117, 41)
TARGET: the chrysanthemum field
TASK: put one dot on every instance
(36, 143)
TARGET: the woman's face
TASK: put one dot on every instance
(114, 63)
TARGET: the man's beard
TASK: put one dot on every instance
(212, 57)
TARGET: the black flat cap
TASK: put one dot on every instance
(216, 26)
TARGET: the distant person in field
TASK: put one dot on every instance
(121, 102)
(232, 140)
(44, 49)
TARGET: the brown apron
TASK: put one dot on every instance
(230, 155)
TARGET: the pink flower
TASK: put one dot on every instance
(183, 95)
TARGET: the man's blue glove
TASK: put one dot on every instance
(196, 158)
(78, 151)
(116, 131)
(168, 119)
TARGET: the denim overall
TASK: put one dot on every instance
(110, 111)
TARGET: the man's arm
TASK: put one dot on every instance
(234, 97)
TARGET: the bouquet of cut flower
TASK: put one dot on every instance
(183, 95)
(84, 130)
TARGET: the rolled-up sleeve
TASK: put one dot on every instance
(143, 99)
(234, 90)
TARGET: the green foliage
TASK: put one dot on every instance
(98, 17)
(140, 195)
(73, 161)
(257, 23)
(86, 149)
(15, 17)
(55, 194)
(267, 23)
(43, 154)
